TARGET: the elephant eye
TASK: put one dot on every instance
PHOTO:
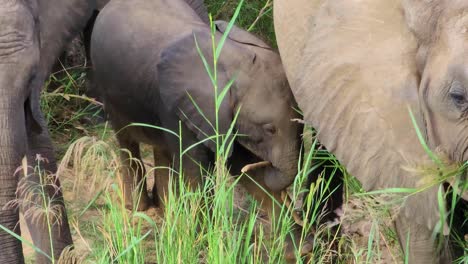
(270, 129)
(458, 96)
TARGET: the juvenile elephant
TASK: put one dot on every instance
(32, 35)
(148, 70)
(356, 67)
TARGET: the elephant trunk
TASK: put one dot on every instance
(13, 147)
(420, 247)
(284, 169)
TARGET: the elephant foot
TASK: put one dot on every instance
(158, 201)
(143, 203)
(291, 248)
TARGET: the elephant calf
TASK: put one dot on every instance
(147, 69)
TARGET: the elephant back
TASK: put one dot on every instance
(200, 9)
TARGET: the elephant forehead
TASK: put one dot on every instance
(16, 32)
(14, 19)
(8, 3)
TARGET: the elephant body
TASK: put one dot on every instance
(146, 63)
(355, 68)
(32, 35)
(137, 72)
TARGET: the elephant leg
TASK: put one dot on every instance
(161, 175)
(270, 201)
(87, 32)
(459, 226)
(192, 171)
(193, 161)
(11, 249)
(41, 191)
(133, 172)
(420, 248)
(91, 89)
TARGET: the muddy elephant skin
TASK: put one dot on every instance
(357, 67)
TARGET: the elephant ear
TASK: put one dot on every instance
(239, 35)
(355, 81)
(421, 17)
(186, 88)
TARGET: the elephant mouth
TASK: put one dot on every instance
(274, 178)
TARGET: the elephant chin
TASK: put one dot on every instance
(275, 179)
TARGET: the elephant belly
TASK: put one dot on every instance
(123, 113)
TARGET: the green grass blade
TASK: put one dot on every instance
(407, 246)
(132, 245)
(223, 93)
(200, 111)
(228, 29)
(423, 142)
(389, 191)
(151, 126)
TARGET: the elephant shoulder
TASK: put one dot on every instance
(186, 84)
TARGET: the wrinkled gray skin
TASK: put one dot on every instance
(32, 35)
(145, 62)
(356, 67)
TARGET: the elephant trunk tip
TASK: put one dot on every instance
(254, 166)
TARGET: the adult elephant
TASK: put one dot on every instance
(356, 67)
(32, 35)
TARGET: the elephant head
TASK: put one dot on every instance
(260, 92)
(441, 28)
(356, 67)
(32, 34)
